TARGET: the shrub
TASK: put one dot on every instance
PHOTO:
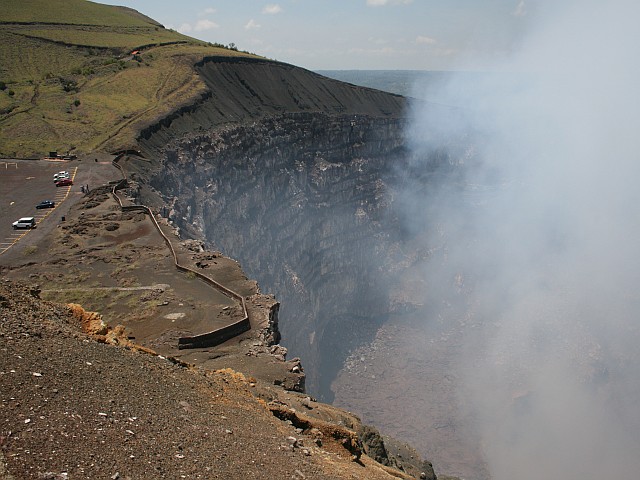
(69, 85)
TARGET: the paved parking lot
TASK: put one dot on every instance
(25, 183)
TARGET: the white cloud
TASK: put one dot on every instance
(205, 25)
(444, 52)
(200, 26)
(209, 11)
(256, 42)
(422, 40)
(251, 25)
(521, 9)
(382, 3)
(384, 51)
(272, 9)
(378, 41)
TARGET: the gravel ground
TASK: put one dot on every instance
(72, 407)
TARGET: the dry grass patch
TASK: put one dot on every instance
(98, 37)
(78, 12)
(30, 250)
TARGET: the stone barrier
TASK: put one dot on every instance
(208, 339)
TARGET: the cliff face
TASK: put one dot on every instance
(299, 200)
(243, 90)
(292, 173)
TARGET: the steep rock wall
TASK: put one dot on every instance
(302, 201)
(289, 173)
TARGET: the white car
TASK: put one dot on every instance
(60, 176)
(24, 222)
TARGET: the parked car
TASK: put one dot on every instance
(60, 176)
(24, 222)
(46, 204)
(64, 182)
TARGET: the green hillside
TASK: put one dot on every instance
(69, 81)
(73, 12)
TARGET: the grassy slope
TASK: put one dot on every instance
(71, 83)
(73, 12)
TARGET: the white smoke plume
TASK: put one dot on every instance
(541, 243)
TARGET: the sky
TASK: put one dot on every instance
(353, 34)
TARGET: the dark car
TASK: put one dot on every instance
(64, 182)
(46, 204)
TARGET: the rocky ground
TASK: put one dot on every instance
(76, 408)
(109, 395)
